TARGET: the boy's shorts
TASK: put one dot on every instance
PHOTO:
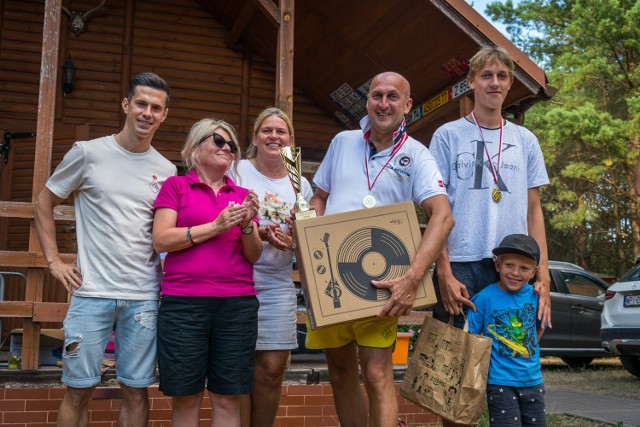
(376, 332)
(516, 406)
(208, 340)
(87, 330)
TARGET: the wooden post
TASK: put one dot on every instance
(245, 131)
(466, 105)
(127, 52)
(42, 165)
(284, 63)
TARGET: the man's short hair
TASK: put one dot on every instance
(487, 55)
(148, 80)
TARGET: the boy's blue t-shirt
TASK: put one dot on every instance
(510, 319)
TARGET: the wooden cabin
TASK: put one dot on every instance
(223, 58)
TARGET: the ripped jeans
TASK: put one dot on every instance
(87, 329)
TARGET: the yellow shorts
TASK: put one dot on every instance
(376, 332)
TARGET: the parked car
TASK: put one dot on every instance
(577, 298)
(621, 320)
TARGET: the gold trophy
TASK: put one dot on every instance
(293, 163)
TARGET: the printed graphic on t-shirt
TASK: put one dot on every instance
(155, 184)
(273, 209)
(473, 166)
(515, 331)
(400, 166)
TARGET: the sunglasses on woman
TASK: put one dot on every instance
(220, 141)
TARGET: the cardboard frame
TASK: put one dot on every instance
(340, 254)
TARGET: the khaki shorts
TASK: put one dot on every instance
(376, 332)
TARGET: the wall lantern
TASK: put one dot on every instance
(68, 72)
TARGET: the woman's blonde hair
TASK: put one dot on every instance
(200, 131)
(487, 55)
(252, 152)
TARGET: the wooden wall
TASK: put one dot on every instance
(177, 40)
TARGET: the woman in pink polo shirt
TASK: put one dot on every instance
(207, 323)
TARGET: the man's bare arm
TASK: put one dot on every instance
(403, 289)
(535, 224)
(319, 201)
(69, 275)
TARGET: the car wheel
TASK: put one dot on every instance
(631, 364)
(577, 362)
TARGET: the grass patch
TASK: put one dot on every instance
(602, 377)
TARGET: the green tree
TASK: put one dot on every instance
(589, 132)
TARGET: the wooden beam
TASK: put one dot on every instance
(49, 311)
(25, 210)
(245, 15)
(39, 311)
(284, 63)
(29, 259)
(16, 309)
(271, 11)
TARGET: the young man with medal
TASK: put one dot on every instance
(493, 170)
(377, 165)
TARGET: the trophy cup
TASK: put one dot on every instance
(293, 163)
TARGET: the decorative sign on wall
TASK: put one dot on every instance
(455, 67)
(353, 102)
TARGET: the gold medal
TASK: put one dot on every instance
(496, 195)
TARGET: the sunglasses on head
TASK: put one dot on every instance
(220, 141)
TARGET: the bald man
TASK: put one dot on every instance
(379, 164)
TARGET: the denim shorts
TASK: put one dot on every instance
(207, 340)
(516, 406)
(87, 330)
(475, 275)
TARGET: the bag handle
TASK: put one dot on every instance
(465, 328)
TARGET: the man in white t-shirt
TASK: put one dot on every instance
(378, 165)
(115, 285)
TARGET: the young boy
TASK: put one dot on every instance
(506, 312)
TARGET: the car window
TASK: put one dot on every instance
(580, 285)
(631, 275)
(552, 286)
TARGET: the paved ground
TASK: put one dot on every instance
(612, 410)
(311, 368)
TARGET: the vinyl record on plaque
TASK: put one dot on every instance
(368, 254)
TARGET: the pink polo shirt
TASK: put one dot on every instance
(216, 267)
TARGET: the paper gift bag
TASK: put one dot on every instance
(447, 374)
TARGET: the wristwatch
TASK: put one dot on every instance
(248, 229)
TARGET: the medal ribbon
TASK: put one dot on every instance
(399, 137)
(494, 172)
